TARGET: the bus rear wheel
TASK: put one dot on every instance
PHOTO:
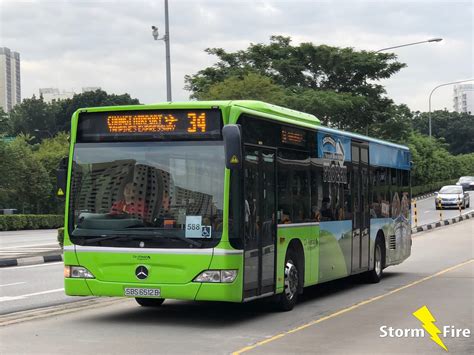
(375, 275)
(291, 283)
(150, 302)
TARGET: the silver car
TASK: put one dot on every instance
(467, 182)
(452, 196)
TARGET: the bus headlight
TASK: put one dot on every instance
(217, 276)
(77, 272)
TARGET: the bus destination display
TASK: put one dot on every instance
(150, 124)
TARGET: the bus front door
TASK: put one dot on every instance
(259, 222)
(361, 217)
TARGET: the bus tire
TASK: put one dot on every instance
(291, 284)
(150, 302)
(375, 275)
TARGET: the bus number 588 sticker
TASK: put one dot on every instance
(193, 227)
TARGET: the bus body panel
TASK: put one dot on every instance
(165, 267)
(308, 236)
(335, 250)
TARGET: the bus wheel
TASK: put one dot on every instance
(287, 299)
(375, 275)
(150, 302)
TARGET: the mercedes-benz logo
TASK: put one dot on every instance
(141, 272)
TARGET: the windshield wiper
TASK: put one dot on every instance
(101, 238)
(169, 236)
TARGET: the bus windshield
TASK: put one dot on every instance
(168, 193)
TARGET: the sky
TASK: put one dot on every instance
(108, 43)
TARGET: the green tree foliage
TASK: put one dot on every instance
(34, 117)
(314, 74)
(4, 123)
(456, 129)
(49, 154)
(44, 120)
(98, 98)
(25, 184)
(432, 162)
(251, 85)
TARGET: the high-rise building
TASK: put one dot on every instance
(464, 98)
(10, 85)
(50, 94)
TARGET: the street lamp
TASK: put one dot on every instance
(431, 93)
(166, 39)
(411, 44)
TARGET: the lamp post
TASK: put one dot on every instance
(411, 44)
(431, 93)
(166, 39)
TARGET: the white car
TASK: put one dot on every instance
(452, 196)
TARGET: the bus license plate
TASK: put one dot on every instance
(142, 292)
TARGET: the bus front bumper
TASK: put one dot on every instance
(196, 291)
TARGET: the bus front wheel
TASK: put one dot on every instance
(150, 302)
(287, 299)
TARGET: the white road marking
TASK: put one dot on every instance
(16, 283)
(14, 298)
(29, 266)
(30, 246)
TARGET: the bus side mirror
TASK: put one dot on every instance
(61, 178)
(232, 146)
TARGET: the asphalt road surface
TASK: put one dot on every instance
(18, 244)
(339, 317)
(33, 286)
(427, 212)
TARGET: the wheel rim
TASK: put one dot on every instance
(378, 260)
(291, 280)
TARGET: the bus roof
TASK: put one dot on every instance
(253, 105)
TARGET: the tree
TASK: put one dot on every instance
(456, 129)
(251, 85)
(30, 115)
(49, 154)
(4, 123)
(302, 70)
(98, 98)
(25, 182)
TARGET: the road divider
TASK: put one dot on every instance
(33, 260)
(442, 223)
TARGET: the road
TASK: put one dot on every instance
(18, 244)
(32, 286)
(428, 214)
(340, 317)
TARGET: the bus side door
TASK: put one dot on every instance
(259, 221)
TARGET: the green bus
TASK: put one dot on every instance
(227, 201)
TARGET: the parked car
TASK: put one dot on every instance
(467, 182)
(452, 196)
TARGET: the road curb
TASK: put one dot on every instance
(445, 222)
(31, 260)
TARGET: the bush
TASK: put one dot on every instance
(30, 221)
(428, 188)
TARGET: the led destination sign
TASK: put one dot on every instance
(149, 125)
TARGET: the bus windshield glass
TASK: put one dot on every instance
(159, 194)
